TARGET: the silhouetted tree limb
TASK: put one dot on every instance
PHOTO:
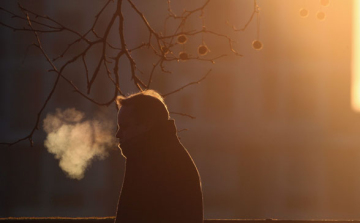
(183, 114)
(256, 10)
(187, 85)
(162, 45)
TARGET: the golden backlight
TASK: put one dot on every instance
(355, 83)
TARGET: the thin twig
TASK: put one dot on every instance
(36, 127)
(255, 11)
(182, 130)
(151, 74)
(183, 114)
(187, 85)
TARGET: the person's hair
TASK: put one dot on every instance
(146, 105)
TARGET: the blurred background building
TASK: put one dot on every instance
(274, 136)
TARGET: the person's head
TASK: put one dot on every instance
(138, 113)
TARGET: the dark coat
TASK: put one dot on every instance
(161, 182)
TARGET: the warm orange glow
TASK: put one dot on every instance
(355, 85)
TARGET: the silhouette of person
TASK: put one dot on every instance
(161, 182)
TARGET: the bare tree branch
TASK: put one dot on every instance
(187, 85)
(137, 81)
(36, 127)
(182, 130)
(23, 18)
(26, 29)
(163, 48)
(255, 11)
(54, 21)
(152, 72)
(183, 114)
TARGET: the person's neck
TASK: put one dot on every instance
(144, 143)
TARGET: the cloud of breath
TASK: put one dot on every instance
(75, 141)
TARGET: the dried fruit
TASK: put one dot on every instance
(183, 56)
(203, 50)
(304, 12)
(181, 39)
(321, 15)
(257, 45)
